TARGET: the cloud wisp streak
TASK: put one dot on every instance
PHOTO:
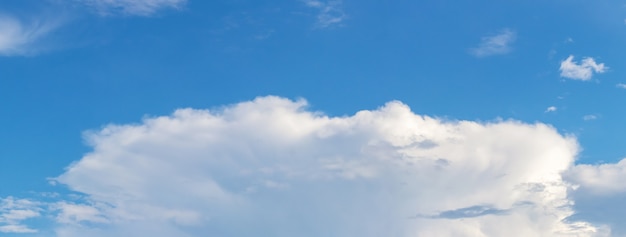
(330, 13)
(19, 37)
(133, 7)
(582, 71)
(495, 44)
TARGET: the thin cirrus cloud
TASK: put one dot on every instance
(583, 70)
(271, 166)
(330, 13)
(21, 37)
(133, 7)
(497, 44)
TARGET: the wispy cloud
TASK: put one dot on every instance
(581, 71)
(621, 85)
(590, 117)
(25, 36)
(330, 13)
(133, 7)
(495, 44)
(14, 211)
(19, 37)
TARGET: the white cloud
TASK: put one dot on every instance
(330, 13)
(495, 44)
(270, 166)
(14, 211)
(18, 37)
(621, 85)
(583, 71)
(551, 109)
(133, 7)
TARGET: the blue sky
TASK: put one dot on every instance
(89, 85)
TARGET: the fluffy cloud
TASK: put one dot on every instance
(270, 167)
(329, 14)
(18, 37)
(581, 71)
(551, 109)
(14, 211)
(495, 44)
(133, 7)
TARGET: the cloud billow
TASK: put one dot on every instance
(582, 71)
(271, 166)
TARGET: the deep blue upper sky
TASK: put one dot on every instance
(92, 68)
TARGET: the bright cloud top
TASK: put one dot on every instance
(270, 166)
(495, 44)
(581, 71)
(330, 12)
(134, 7)
(18, 37)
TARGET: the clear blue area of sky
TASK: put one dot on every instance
(96, 70)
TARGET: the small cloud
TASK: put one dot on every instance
(621, 85)
(550, 109)
(18, 37)
(133, 7)
(590, 117)
(581, 71)
(330, 12)
(495, 44)
(569, 40)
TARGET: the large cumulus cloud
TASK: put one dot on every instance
(270, 167)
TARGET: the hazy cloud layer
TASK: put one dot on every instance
(581, 71)
(495, 44)
(270, 166)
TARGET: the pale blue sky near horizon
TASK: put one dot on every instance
(67, 67)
